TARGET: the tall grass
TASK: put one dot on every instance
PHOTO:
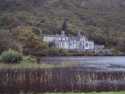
(58, 79)
(89, 93)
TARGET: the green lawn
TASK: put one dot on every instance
(31, 65)
(26, 65)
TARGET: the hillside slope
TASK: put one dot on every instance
(101, 20)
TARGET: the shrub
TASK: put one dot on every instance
(54, 52)
(11, 56)
(28, 59)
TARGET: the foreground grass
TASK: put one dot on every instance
(91, 93)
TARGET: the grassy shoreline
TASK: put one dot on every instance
(26, 65)
(122, 92)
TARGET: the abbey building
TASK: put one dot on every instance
(62, 41)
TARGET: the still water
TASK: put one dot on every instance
(114, 63)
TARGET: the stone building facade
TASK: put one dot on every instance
(62, 41)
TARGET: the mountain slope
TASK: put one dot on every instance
(101, 20)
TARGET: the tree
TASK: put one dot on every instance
(7, 41)
(65, 25)
(30, 42)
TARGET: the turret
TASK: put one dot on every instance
(79, 34)
(63, 33)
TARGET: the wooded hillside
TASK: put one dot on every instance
(101, 20)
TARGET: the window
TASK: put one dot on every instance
(87, 45)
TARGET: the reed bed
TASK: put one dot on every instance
(59, 79)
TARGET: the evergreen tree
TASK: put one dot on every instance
(65, 25)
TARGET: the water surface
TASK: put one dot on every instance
(116, 63)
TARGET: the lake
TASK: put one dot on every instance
(106, 63)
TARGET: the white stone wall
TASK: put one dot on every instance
(89, 45)
(48, 39)
(75, 43)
